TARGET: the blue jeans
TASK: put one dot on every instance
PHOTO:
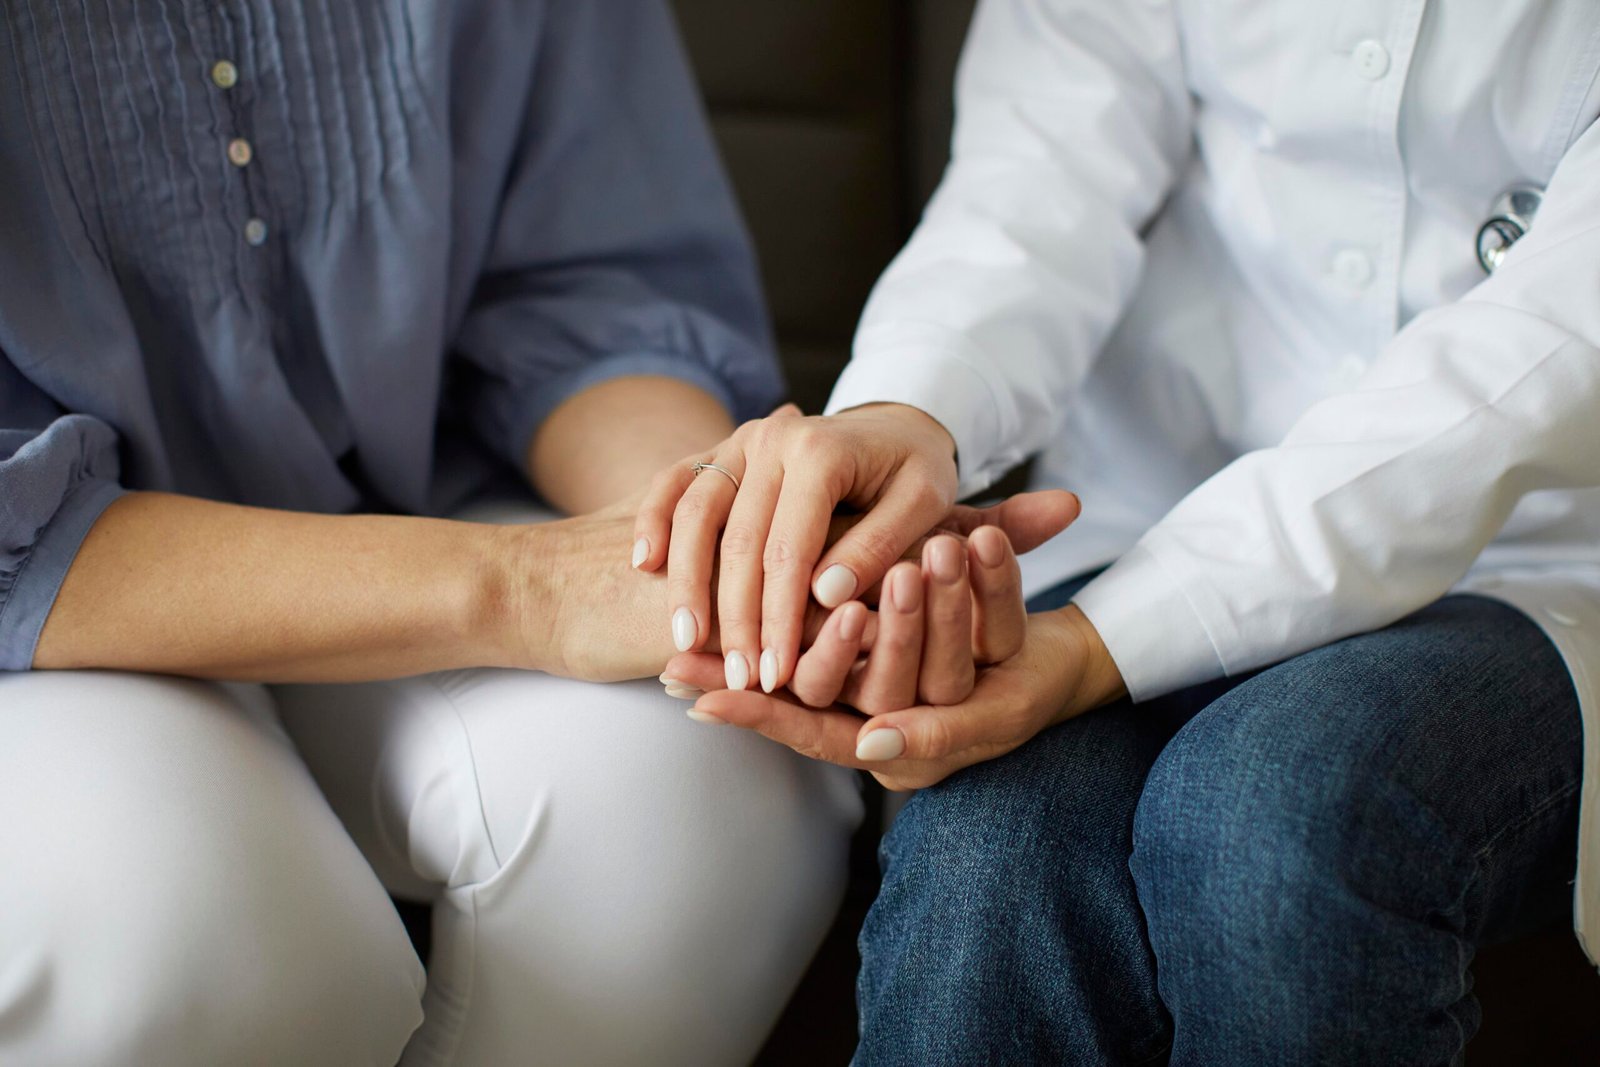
(1290, 868)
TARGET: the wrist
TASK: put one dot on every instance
(510, 581)
(916, 424)
(1099, 682)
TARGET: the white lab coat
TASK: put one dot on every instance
(1216, 259)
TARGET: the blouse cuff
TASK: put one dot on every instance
(24, 608)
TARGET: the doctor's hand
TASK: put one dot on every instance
(892, 463)
(1062, 671)
(935, 621)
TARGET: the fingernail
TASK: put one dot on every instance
(885, 743)
(836, 585)
(989, 545)
(641, 552)
(944, 559)
(906, 590)
(737, 671)
(685, 692)
(706, 717)
(852, 623)
(769, 670)
(684, 629)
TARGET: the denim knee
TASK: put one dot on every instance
(1007, 928)
(1296, 888)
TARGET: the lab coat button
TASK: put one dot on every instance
(1372, 60)
(1353, 268)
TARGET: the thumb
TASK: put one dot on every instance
(1028, 519)
(924, 734)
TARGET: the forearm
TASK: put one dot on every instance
(182, 586)
(605, 443)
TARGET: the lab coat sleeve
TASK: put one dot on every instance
(619, 249)
(1380, 498)
(1073, 123)
(58, 472)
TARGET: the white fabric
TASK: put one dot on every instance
(613, 883)
(1217, 260)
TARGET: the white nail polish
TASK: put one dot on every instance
(685, 692)
(641, 551)
(684, 629)
(699, 716)
(884, 743)
(769, 671)
(737, 671)
(836, 585)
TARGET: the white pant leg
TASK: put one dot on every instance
(613, 883)
(174, 891)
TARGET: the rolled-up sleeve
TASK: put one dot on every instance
(618, 249)
(58, 472)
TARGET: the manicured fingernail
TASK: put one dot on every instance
(906, 590)
(769, 670)
(641, 552)
(706, 717)
(944, 560)
(684, 629)
(989, 545)
(852, 622)
(836, 585)
(737, 671)
(685, 692)
(885, 743)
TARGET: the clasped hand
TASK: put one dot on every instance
(947, 671)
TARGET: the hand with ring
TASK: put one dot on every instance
(762, 509)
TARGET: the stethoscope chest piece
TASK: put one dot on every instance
(1510, 218)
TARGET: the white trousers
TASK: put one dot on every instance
(196, 874)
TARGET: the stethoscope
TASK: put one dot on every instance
(1510, 218)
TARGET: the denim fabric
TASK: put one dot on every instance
(1290, 868)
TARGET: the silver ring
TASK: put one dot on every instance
(724, 471)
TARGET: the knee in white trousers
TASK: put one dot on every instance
(612, 883)
(174, 891)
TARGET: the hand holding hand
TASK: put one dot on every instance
(771, 514)
(1062, 670)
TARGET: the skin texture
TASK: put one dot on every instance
(891, 463)
(1062, 670)
(177, 585)
(184, 586)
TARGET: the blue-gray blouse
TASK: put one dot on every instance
(338, 254)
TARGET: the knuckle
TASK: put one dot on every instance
(931, 498)
(938, 741)
(739, 543)
(778, 558)
(878, 543)
(692, 508)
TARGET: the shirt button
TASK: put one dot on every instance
(1353, 268)
(225, 75)
(255, 233)
(239, 152)
(1372, 60)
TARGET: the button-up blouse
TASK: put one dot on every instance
(328, 256)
